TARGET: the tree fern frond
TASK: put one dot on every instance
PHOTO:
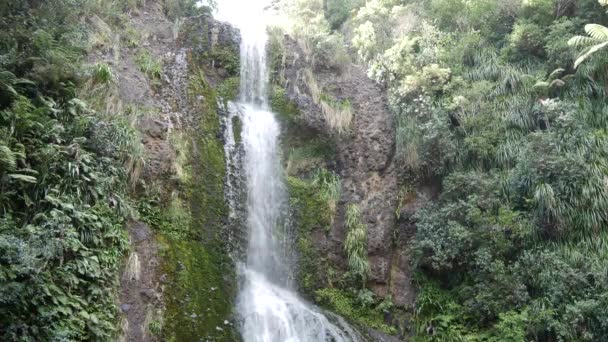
(8, 159)
(23, 178)
(541, 86)
(556, 73)
(597, 31)
(557, 83)
(590, 52)
(581, 41)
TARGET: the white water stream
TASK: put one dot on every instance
(270, 310)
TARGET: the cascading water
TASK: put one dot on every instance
(270, 310)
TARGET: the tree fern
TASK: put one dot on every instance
(597, 40)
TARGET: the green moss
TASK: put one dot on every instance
(200, 275)
(209, 208)
(344, 304)
(310, 212)
(226, 58)
(228, 90)
(237, 129)
(280, 104)
(305, 150)
(172, 220)
(197, 298)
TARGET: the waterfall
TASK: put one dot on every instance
(270, 310)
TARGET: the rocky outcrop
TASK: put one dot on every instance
(364, 162)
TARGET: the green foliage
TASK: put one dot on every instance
(488, 104)
(281, 105)
(323, 48)
(596, 41)
(66, 173)
(526, 39)
(311, 214)
(362, 311)
(64, 202)
(175, 9)
(355, 244)
(226, 58)
(208, 206)
(338, 114)
(171, 220)
(149, 65)
(438, 317)
(330, 187)
(559, 53)
(338, 11)
(330, 52)
(198, 298)
(237, 129)
(102, 73)
(228, 90)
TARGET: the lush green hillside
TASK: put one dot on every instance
(68, 165)
(490, 106)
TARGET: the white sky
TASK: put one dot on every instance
(241, 12)
(246, 14)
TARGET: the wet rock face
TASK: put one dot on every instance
(209, 33)
(159, 151)
(365, 164)
(212, 43)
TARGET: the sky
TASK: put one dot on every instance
(241, 12)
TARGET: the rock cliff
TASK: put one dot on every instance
(179, 281)
(363, 159)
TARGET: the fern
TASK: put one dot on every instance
(597, 40)
(355, 244)
(8, 160)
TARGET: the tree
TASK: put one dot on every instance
(597, 40)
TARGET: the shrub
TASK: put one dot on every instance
(338, 11)
(345, 304)
(102, 73)
(149, 65)
(330, 186)
(559, 53)
(330, 52)
(526, 39)
(355, 244)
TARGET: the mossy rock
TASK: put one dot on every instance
(228, 90)
(286, 110)
(208, 205)
(345, 304)
(310, 213)
(198, 294)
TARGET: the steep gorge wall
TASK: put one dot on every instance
(363, 158)
(175, 76)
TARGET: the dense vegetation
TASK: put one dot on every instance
(64, 174)
(490, 105)
(69, 160)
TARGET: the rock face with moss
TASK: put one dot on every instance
(178, 82)
(362, 140)
(201, 275)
